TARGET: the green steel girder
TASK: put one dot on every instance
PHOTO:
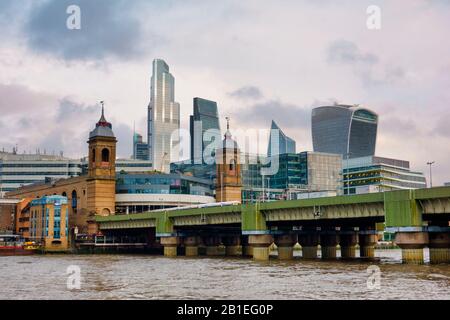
(402, 208)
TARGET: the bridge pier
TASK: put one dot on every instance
(367, 239)
(412, 244)
(348, 239)
(191, 246)
(309, 240)
(232, 245)
(212, 245)
(439, 243)
(170, 246)
(260, 244)
(285, 244)
(247, 249)
(329, 239)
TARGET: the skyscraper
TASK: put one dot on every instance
(140, 149)
(205, 117)
(163, 117)
(279, 143)
(343, 129)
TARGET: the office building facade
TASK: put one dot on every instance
(163, 118)
(205, 118)
(279, 143)
(378, 174)
(17, 170)
(350, 131)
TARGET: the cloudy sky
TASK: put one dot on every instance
(259, 59)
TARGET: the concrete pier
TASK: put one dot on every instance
(232, 245)
(212, 245)
(329, 239)
(412, 244)
(191, 246)
(367, 239)
(348, 240)
(170, 245)
(285, 244)
(260, 244)
(309, 240)
(439, 243)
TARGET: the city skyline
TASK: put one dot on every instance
(50, 92)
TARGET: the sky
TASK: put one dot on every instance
(261, 60)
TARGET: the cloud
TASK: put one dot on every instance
(347, 52)
(19, 99)
(247, 92)
(286, 114)
(109, 28)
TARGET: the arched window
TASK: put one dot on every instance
(64, 194)
(105, 155)
(74, 201)
(232, 165)
(93, 155)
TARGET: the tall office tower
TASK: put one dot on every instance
(140, 149)
(342, 129)
(163, 118)
(205, 118)
(279, 143)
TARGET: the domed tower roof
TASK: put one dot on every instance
(102, 128)
(228, 142)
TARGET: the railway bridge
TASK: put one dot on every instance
(419, 218)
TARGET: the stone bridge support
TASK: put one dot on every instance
(232, 245)
(412, 244)
(309, 240)
(191, 246)
(285, 244)
(439, 242)
(329, 239)
(170, 245)
(367, 239)
(348, 239)
(212, 245)
(247, 249)
(260, 244)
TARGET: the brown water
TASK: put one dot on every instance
(156, 277)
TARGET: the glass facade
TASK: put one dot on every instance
(205, 117)
(163, 184)
(279, 143)
(163, 116)
(140, 149)
(297, 173)
(347, 130)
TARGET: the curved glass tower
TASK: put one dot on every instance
(342, 129)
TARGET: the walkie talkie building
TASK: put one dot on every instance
(344, 129)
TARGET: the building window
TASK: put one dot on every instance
(105, 155)
(93, 155)
(74, 201)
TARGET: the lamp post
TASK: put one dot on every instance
(431, 176)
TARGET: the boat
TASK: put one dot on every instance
(15, 245)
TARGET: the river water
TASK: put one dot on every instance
(157, 277)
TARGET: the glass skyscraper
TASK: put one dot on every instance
(163, 117)
(140, 149)
(279, 143)
(205, 117)
(342, 129)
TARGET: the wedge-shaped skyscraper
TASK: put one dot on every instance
(344, 129)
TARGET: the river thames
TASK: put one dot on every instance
(157, 277)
